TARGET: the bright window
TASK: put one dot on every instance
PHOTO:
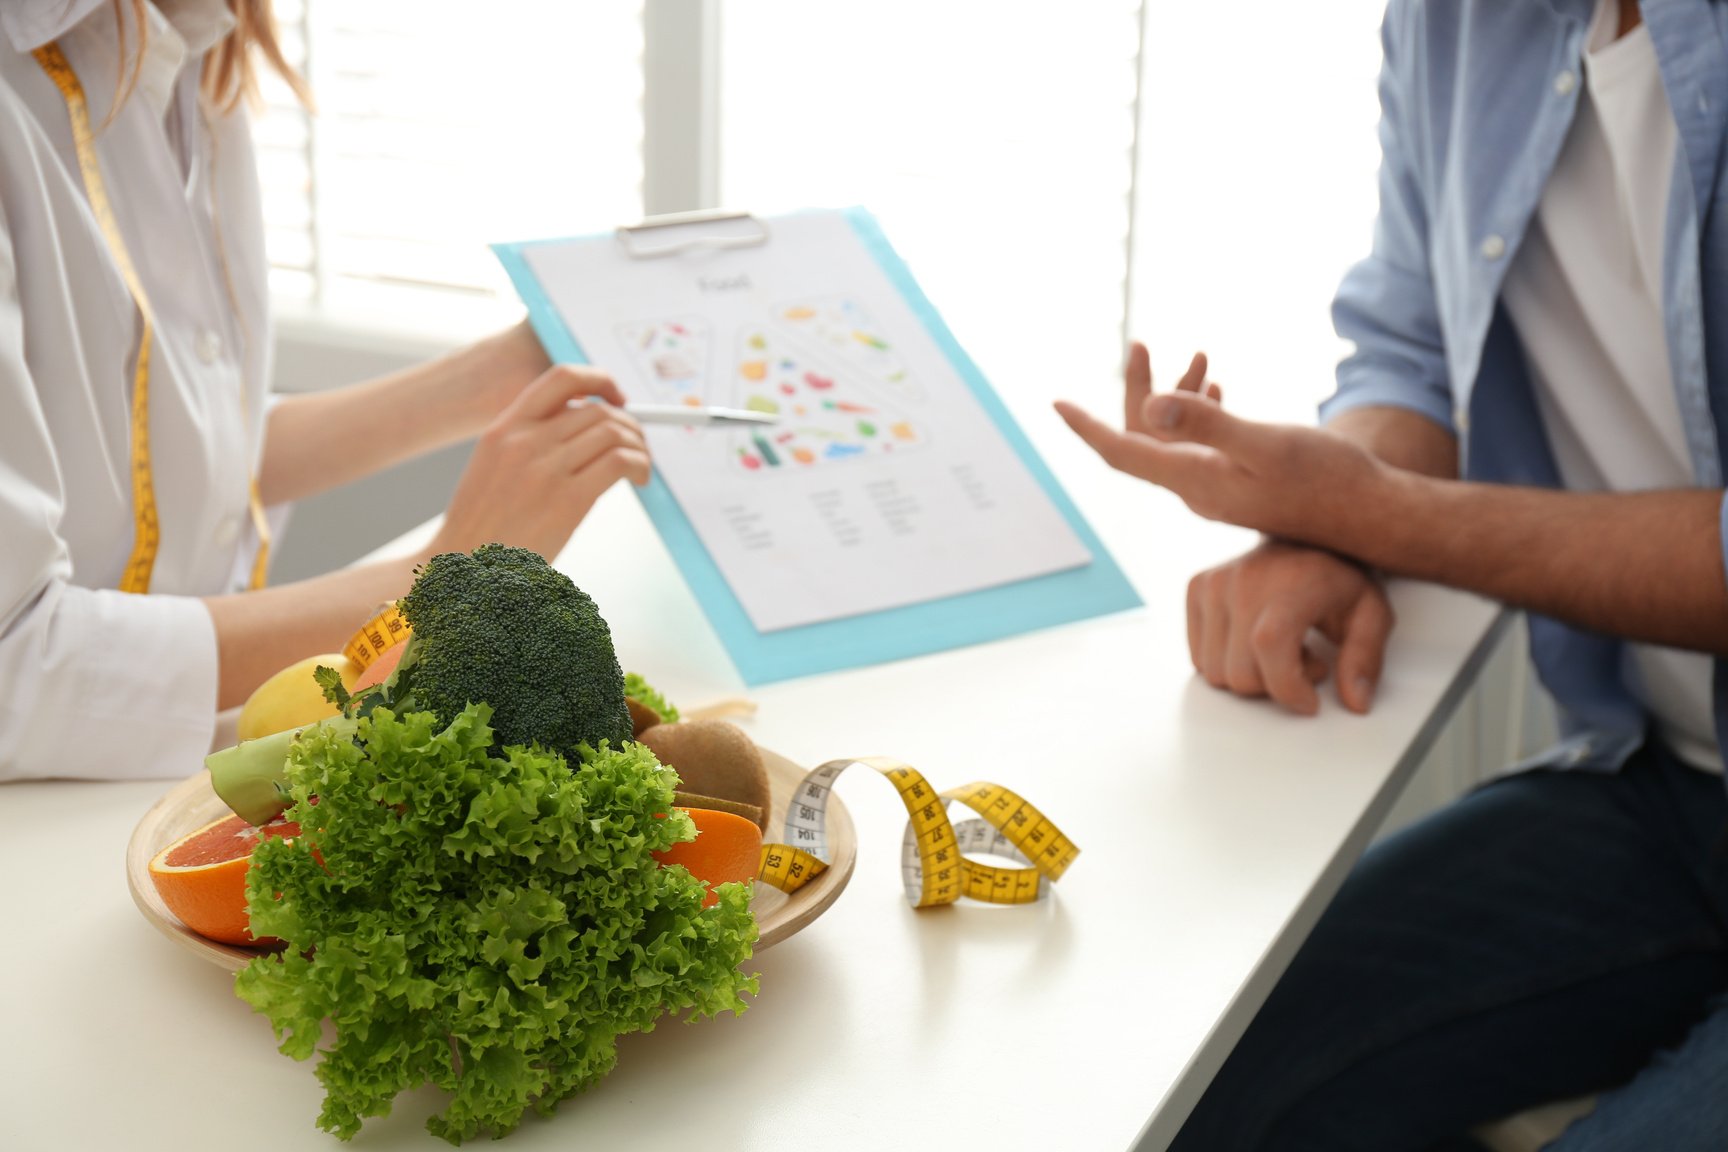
(444, 126)
(992, 138)
(995, 139)
(1256, 192)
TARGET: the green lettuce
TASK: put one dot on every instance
(486, 923)
(645, 694)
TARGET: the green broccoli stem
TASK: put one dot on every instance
(252, 777)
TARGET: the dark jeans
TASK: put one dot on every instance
(1550, 935)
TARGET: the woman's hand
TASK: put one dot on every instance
(315, 441)
(542, 463)
(506, 364)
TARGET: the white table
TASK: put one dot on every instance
(1213, 832)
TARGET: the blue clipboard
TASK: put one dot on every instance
(1097, 589)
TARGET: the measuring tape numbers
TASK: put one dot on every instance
(384, 631)
(936, 862)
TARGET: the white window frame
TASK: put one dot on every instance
(680, 105)
(681, 159)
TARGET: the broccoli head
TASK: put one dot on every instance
(505, 628)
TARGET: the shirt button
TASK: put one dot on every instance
(209, 346)
(1461, 418)
(1565, 82)
(227, 532)
(1493, 247)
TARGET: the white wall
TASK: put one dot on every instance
(328, 531)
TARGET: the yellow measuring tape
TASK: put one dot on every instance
(936, 863)
(385, 630)
(147, 533)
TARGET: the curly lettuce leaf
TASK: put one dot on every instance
(488, 924)
(645, 694)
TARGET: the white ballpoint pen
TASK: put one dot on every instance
(695, 417)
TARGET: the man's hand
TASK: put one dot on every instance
(1284, 480)
(1249, 622)
(1137, 386)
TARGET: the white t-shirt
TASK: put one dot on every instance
(1585, 293)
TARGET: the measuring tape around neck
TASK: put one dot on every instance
(147, 532)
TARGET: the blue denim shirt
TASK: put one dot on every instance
(1477, 97)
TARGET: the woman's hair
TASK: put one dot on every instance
(230, 68)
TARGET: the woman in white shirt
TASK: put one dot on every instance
(138, 268)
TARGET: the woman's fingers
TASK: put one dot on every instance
(583, 450)
(544, 461)
(558, 386)
(564, 424)
(576, 419)
(581, 490)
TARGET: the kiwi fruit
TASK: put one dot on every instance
(713, 758)
(642, 717)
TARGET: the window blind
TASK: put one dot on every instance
(443, 127)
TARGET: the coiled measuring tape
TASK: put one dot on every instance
(936, 862)
(147, 528)
(935, 853)
(385, 630)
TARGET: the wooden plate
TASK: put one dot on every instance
(190, 805)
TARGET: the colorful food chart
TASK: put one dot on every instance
(670, 358)
(890, 506)
(842, 329)
(827, 414)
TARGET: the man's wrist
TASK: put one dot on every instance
(1369, 515)
(1398, 506)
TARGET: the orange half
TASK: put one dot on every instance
(202, 876)
(726, 848)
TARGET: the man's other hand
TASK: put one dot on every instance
(1250, 620)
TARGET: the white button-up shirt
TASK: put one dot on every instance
(95, 682)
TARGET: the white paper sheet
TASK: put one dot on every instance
(885, 483)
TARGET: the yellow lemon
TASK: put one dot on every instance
(292, 697)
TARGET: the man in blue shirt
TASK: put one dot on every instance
(1536, 409)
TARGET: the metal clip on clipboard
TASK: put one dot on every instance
(659, 235)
